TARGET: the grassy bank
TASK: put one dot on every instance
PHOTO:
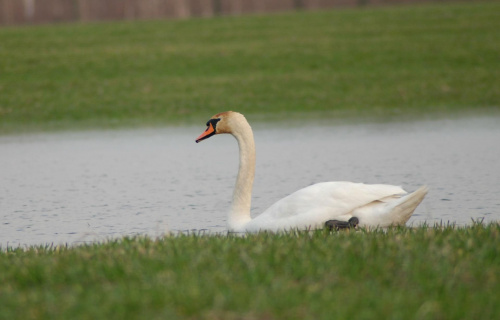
(392, 60)
(423, 273)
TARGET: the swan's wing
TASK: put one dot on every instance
(313, 205)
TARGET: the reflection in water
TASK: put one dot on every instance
(88, 186)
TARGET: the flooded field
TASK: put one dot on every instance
(91, 186)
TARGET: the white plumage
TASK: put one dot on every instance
(374, 205)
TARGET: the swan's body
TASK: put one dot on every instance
(376, 205)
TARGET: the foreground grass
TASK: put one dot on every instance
(408, 59)
(404, 273)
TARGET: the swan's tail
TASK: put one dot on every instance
(404, 208)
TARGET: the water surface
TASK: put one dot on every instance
(88, 186)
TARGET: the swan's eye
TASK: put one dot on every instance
(213, 122)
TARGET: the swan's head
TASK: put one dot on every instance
(223, 122)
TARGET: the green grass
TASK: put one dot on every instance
(375, 61)
(404, 273)
(348, 63)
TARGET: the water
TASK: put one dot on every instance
(91, 186)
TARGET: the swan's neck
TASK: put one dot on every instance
(242, 196)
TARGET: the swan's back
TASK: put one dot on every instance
(314, 205)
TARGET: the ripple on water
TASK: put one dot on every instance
(87, 186)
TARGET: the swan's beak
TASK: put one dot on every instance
(207, 134)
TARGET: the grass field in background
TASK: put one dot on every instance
(404, 273)
(352, 62)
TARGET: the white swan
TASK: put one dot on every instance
(336, 204)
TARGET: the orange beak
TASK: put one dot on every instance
(208, 133)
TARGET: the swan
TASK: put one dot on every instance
(336, 204)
